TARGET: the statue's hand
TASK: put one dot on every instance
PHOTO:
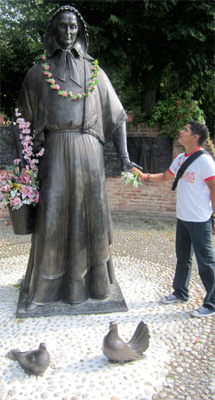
(37, 146)
(127, 164)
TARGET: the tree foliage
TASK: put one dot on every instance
(22, 30)
(150, 49)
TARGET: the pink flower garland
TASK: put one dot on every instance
(65, 93)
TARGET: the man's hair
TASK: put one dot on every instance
(197, 128)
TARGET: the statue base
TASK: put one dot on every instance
(114, 303)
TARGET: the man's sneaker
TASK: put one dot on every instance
(171, 299)
(202, 312)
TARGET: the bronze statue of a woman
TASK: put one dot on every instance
(73, 110)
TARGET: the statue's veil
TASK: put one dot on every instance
(82, 40)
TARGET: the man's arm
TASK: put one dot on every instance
(160, 177)
(211, 186)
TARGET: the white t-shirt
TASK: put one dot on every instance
(193, 195)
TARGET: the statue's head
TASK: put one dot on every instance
(66, 30)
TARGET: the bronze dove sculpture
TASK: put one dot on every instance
(115, 349)
(33, 362)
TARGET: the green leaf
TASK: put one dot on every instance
(114, 19)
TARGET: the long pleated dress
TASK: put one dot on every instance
(70, 256)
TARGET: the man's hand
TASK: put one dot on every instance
(141, 175)
(213, 226)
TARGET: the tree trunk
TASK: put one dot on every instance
(148, 100)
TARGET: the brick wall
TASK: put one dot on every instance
(150, 200)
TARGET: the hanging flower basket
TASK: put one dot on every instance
(23, 219)
(19, 186)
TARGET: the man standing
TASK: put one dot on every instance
(195, 218)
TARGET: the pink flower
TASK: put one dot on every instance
(17, 161)
(32, 164)
(15, 202)
(57, 87)
(25, 178)
(2, 197)
(43, 57)
(27, 138)
(41, 152)
(6, 188)
(17, 112)
(26, 124)
(27, 157)
(27, 191)
(21, 125)
(36, 200)
(27, 150)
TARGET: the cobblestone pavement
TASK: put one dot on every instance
(179, 363)
(192, 373)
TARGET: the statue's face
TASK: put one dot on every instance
(66, 29)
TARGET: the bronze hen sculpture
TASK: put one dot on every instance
(115, 349)
(33, 362)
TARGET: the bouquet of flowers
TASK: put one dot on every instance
(20, 186)
(131, 178)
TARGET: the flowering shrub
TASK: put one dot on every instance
(131, 178)
(17, 186)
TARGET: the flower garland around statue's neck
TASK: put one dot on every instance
(65, 93)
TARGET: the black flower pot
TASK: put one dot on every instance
(23, 219)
